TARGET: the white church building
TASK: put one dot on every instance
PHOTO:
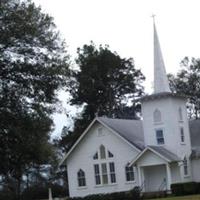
(114, 155)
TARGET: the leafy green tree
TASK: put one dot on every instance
(104, 84)
(187, 82)
(33, 67)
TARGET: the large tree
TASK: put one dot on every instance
(104, 84)
(187, 82)
(33, 67)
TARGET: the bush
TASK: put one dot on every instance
(179, 189)
(41, 192)
(198, 188)
(133, 194)
(190, 188)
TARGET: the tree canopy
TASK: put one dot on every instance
(187, 82)
(104, 84)
(33, 66)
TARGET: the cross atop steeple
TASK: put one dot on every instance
(161, 83)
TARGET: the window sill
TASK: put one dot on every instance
(82, 188)
(105, 185)
(130, 182)
(186, 176)
(183, 143)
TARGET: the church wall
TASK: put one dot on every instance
(170, 124)
(82, 158)
(195, 165)
(175, 173)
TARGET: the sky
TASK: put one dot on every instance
(126, 26)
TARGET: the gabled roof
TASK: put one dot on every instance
(160, 151)
(132, 132)
(129, 130)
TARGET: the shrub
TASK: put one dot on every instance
(133, 194)
(184, 188)
(190, 188)
(41, 192)
(177, 189)
(198, 188)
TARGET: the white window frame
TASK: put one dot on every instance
(182, 135)
(157, 138)
(157, 116)
(185, 167)
(81, 179)
(107, 160)
(129, 171)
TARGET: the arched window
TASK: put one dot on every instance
(104, 167)
(81, 178)
(185, 166)
(130, 175)
(180, 114)
(102, 152)
(157, 116)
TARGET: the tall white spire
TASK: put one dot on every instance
(161, 83)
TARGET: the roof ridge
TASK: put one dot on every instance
(109, 118)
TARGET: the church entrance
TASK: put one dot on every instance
(155, 178)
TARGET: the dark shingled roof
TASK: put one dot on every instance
(166, 153)
(131, 130)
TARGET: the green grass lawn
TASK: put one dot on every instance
(191, 197)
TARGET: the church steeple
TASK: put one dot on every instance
(161, 83)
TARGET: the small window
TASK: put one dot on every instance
(102, 152)
(185, 166)
(110, 155)
(81, 178)
(104, 173)
(112, 172)
(182, 134)
(160, 137)
(130, 176)
(95, 157)
(97, 174)
(180, 114)
(157, 116)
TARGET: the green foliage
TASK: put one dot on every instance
(187, 82)
(187, 188)
(103, 84)
(41, 192)
(33, 66)
(129, 195)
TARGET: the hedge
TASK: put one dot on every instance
(133, 194)
(186, 188)
(41, 192)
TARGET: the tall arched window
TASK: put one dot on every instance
(180, 114)
(104, 167)
(130, 175)
(157, 116)
(185, 166)
(102, 152)
(81, 178)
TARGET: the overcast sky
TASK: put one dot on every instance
(126, 26)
